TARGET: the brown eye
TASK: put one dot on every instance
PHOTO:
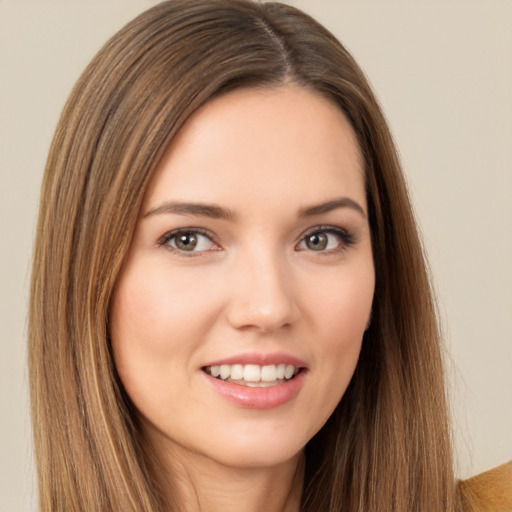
(317, 241)
(328, 239)
(185, 241)
(191, 241)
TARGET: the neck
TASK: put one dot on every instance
(200, 484)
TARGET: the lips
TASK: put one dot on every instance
(257, 381)
(260, 359)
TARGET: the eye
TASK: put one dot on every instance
(328, 239)
(188, 241)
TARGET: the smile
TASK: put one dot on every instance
(253, 375)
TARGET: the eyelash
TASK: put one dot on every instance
(172, 235)
(346, 239)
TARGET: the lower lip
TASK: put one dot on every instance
(258, 398)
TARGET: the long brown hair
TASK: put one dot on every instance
(387, 445)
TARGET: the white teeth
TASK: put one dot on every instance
(253, 373)
(269, 373)
(237, 372)
(225, 371)
(288, 373)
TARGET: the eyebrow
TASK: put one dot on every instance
(342, 202)
(217, 212)
(197, 209)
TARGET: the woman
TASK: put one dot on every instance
(189, 230)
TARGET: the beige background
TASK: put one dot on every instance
(443, 72)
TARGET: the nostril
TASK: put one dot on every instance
(263, 319)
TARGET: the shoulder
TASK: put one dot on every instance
(488, 492)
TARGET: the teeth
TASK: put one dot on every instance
(225, 371)
(237, 372)
(269, 373)
(253, 373)
(288, 373)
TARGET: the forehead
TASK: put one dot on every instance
(283, 143)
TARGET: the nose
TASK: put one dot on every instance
(262, 295)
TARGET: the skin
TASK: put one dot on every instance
(252, 284)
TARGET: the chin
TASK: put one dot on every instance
(247, 458)
(250, 449)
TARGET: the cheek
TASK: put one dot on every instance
(158, 320)
(341, 316)
(342, 310)
(144, 333)
(139, 325)
(157, 314)
(150, 336)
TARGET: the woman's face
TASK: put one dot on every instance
(237, 319)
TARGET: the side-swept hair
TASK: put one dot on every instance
(387, 445)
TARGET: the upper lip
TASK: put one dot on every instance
(260, 359)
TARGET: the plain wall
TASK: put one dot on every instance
(443, 73)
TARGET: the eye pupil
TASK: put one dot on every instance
(186, 241)
(317, 241)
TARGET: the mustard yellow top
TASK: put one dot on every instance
(490, 491)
